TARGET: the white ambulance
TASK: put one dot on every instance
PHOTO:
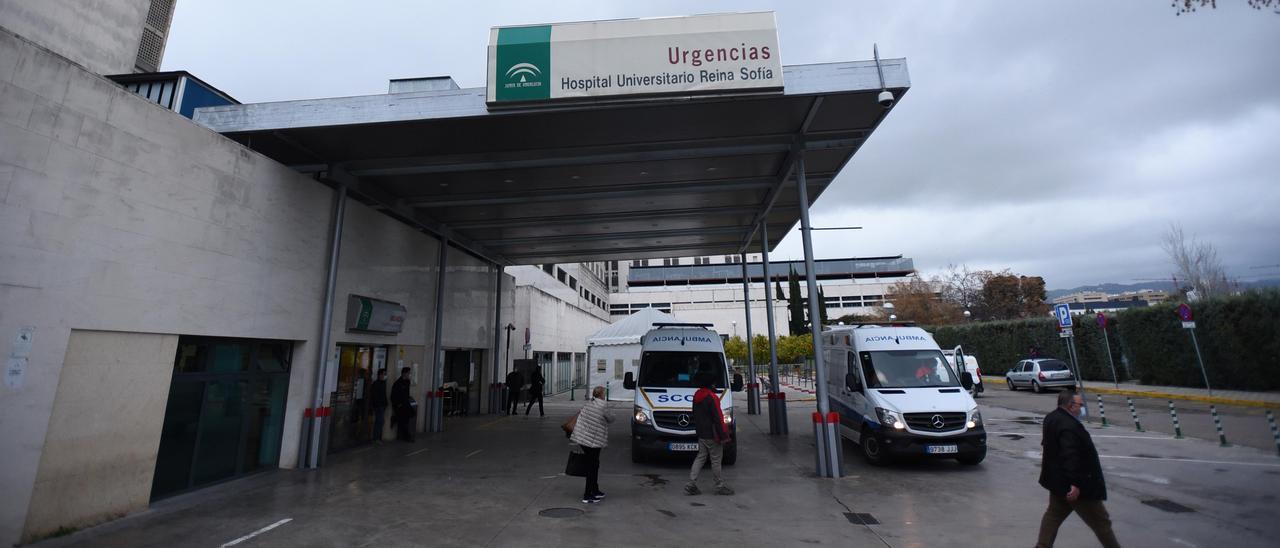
(898, 396)
(673, 356)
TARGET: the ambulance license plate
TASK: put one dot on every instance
(941, 449)
(682, 446)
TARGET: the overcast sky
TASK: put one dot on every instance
(1057, 139)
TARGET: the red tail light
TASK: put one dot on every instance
(1041, 375)
(977, 371)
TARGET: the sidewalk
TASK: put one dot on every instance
(1224, 397)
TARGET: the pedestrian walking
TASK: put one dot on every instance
(515, 381)
(536, 381)
(1072, 473)
(713, 434)
(378, 400)
(402, 404)
(591, 432)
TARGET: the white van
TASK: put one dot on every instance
(967, 363)
(673, 355)
(897, 395)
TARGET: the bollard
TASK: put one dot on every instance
(1177, 429)
(820, 440)
(1134, 414)
(835, 446)
(1217, 422)
(1102, 412)
(1271, 420)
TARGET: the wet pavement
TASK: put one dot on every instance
(496, 481)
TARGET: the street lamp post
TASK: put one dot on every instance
(735, 328)
(967, 315)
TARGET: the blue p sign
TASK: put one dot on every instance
(1063, 312)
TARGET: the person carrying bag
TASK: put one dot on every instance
(590, 430)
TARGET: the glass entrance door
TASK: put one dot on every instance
(225, 412)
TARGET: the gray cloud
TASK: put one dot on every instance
(1057, 139)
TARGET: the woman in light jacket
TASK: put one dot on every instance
(592, 433)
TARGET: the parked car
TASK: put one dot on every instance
(1038, 374)
(969, 363)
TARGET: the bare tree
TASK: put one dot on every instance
(1196, 262)
(1189, 6)
(963, 288)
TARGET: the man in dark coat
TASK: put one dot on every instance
(536, 380)
(1070, 470)
(378, 400)
(515, 381)
(402, 403)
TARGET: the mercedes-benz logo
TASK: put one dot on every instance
(683, 420)
(938, 422)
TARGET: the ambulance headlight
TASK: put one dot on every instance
(728, 417)
(975, 418)
(890, 418)
(641, 417)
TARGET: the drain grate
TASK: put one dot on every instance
(1168, 506)
(560, 513)
(860, 518)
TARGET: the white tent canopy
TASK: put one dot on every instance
(615, 350)
(629, 329)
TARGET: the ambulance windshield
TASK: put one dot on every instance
(906, 369)
(681, 369)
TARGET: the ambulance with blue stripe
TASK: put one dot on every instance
(673, 357)
(898, 395)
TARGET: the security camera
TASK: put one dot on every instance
(885, 98)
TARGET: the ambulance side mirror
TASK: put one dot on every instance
(737, 382)
(629, 381)
(852, 382)
(966, 380)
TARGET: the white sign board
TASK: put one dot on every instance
(1189, 325)
(1065, 333)
(658, 56)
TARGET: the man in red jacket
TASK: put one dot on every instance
(713, 434)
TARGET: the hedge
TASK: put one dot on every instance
(1239, 338)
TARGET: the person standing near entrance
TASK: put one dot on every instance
(378, 400)
(515, 381)
(1072, 473)
(536, 381)
(708, 420)
(402, 404)
(592, 433)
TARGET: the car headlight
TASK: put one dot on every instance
(641, 417)
(890, 418)
(728, 417)
(975, 418)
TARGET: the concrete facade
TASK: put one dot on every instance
(119, 216)
(102, 36)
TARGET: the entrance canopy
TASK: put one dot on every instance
(588, 181)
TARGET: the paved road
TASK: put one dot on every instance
(1242, 425)
(487, 481)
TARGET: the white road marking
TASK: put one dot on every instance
(473, 453)
(256, 533)
(416, 452)
(549, 477)
(1183, 542)
(1025, 434)
(1144, 477)
(1037, 454)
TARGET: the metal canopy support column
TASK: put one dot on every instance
(314, 442)
(777, 400)
(435, 390)
(828, 435)
(753, 387)
(495, 382)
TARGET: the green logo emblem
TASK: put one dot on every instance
(523, 65)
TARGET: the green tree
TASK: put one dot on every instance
(760, 349)
(736, 349)
(795, 348)
(822, 309)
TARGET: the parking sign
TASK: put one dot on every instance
(1063, 312)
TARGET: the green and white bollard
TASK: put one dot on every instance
(1177, 429)
(1133, 413)
(1217, 422)
(1271, 420)
(1102, 411)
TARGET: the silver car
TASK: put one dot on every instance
(1038, 374)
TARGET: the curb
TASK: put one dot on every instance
(1185, 397)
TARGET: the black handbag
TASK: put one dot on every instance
(577, 465)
